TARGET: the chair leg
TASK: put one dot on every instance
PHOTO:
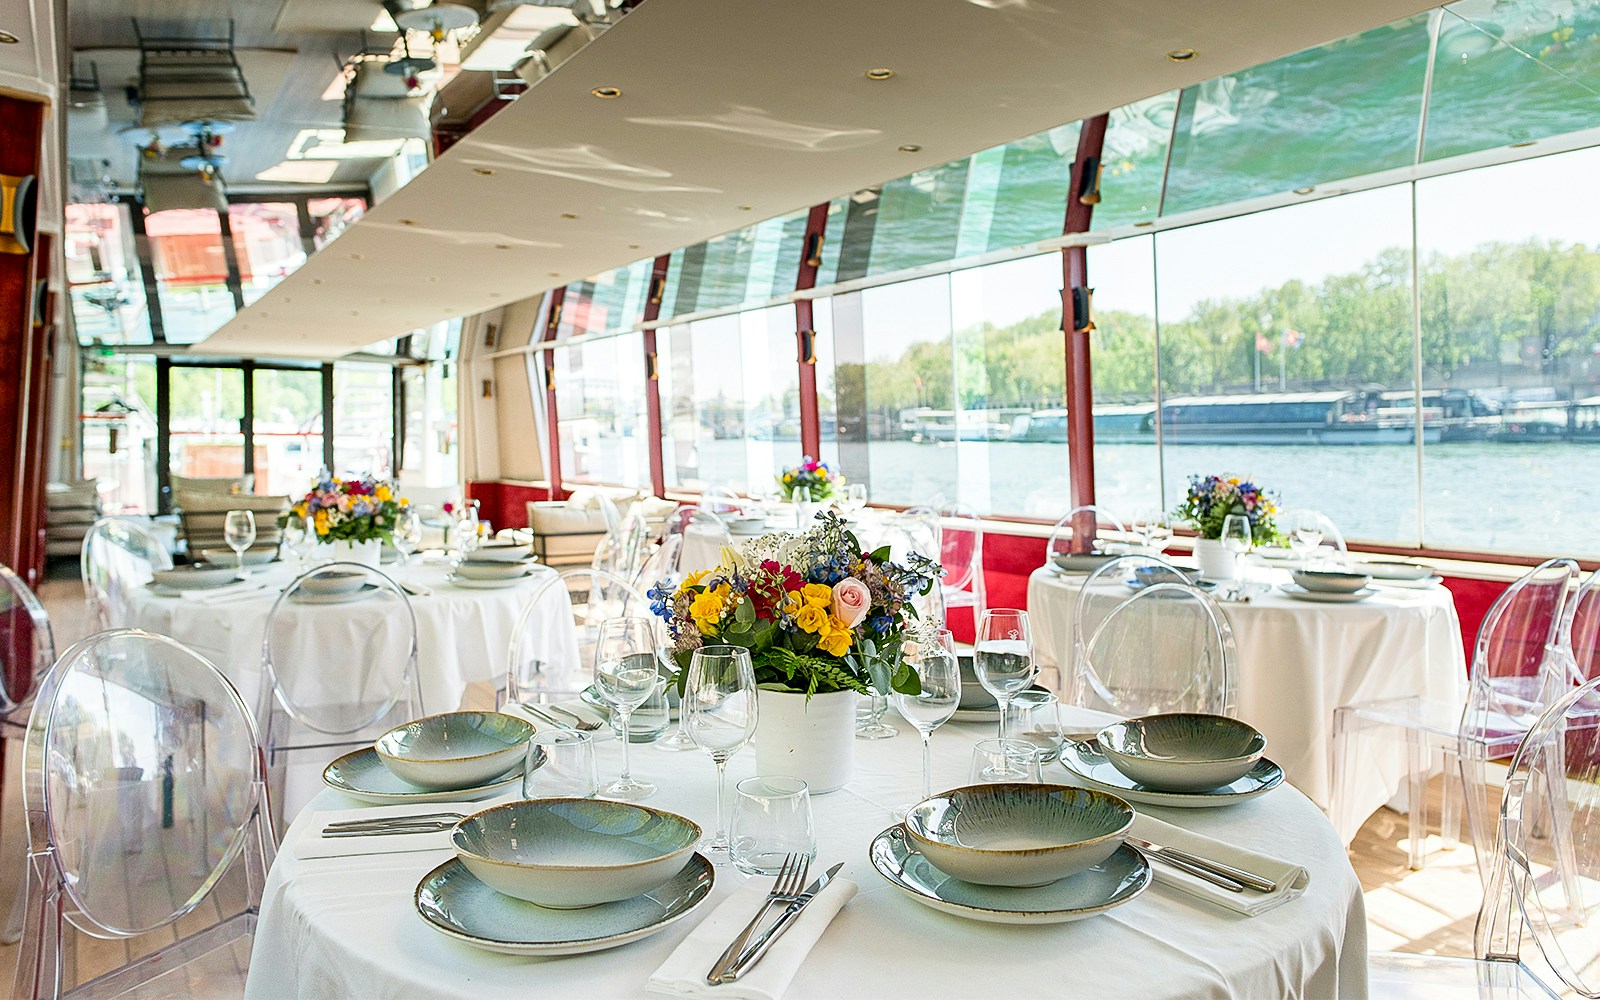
(1417, 798)
(1450, 808)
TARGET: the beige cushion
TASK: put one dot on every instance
(213, 485)
(563, 536)
(204, 518)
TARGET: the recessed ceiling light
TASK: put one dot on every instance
(7, 38)
(407, 222)
(1304, 190)
(569, 215)
(502, 246)
(607, 93)
(483, 171)
(744, 208)
(356, 256)
(911, 147)
(433, 279)
(1523, 145)
(880, 73)
(316, 281)
(1182, 55)
(555, 274)
(494, 295)
(633, 246)
(355, 312)
(1143, 225)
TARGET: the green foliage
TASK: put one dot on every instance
(798, 671)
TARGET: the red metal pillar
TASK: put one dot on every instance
(1076, 318)
(22, 125)
(805, 332)
(552, 320)
(652, 375)
(36, 446)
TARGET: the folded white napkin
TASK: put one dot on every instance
(684, 972)
(312, 844)
(222, 595)
(415, 589)
(1292, 879)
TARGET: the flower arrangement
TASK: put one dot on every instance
(350, 510)
(1212, 498)
(810, 480)
(817, 613)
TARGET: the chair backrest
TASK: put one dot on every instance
(1516, 668)
(118, 556)
(623, 549)
(27, 647)
(1107, 587)
(709, 531)
(339, 653)
(960, 546)
(205, 518)
(609, 511)
(1168, 648)
(1078, 528)
(143, 784)
(575, 599)
(1580, 630)
(722, 500)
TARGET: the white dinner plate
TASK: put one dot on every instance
(1106, 886)
(1087, 762)
(1300, 593)
(516, 581)
(301, 596)
(1426, 583)
(1393, 570)
(362, 775)
(455, 903)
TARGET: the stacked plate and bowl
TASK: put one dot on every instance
(495, 567)
(1329, 586)
(1187, 760)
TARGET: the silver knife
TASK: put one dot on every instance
(785, 919)
(1227, 871)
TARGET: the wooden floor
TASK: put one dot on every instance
(1430, 911)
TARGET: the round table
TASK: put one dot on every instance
(463, 635)
(1298, 661)
(346, 926)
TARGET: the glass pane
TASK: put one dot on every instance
(919, 218)
(605, 303)
(1276, 352)
(772, 393)
(287, 431)
(118, 422)
(1017, 193)
(363, 420)
(266, 239)
(600, 404)
(1339, 110)
(1133, 162)
(703, 410)
(431, 423)
(1512, 71)
(331, 216)
(207, 423)
(103, 271)
(1511, 375)
(1123, 357)
(191, 272)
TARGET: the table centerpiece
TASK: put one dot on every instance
(1209, 502)
(824, 621)
(355, 516)
(808, 486)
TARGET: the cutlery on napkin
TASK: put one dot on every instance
(684, 971)
(222, 595)
(1291, 879)
(312, 843)
(415, 589)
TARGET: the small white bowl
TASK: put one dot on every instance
(493, 570)
(454, 750)
(501, 553)
(200, 577)
(570, 853)
(1330, 581)
(1017, 834)
(338, 582)
(1182, 751)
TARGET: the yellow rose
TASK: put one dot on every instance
(811, 619)
(835, 643)
(382, 494)
(707, 606)
(819, 594)
(693, 580)
(322, 522)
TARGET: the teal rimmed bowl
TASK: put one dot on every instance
(455, 749)
(1182, 751)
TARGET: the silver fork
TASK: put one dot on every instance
(785, 889)
(577, 720)
(582, 726)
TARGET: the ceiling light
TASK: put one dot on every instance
(1144, 224)
(502, 246)
(407, 222)
(607, 93)
(433, 279)
(316, 281)
(744, 208)
(7, 38)
(356, 256)
(438, 19)
(911, 147)
(555, 274)
(300, 172)
(568, 215)
(1181, 55)
(483, 171)
(1304, 190)
(633, 246)
(881, 73)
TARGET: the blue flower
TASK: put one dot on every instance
(881, 624)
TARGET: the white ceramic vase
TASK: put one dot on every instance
(366, 553)
(1216, 562)
(813, 741)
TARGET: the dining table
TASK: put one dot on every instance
(349, 926)
(1298, 661)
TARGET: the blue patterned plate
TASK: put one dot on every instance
(1087, 762)
(1106, 886)
(456, 904)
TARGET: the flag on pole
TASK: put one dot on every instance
(1293, 338)
(1263, 344)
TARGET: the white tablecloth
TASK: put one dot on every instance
(463, 636)
(346, 927)
(1298, 661)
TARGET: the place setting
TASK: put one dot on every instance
(1178, 760)
(451, 757)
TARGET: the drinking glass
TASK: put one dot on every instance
(625, 675)
(467, 531)
(1159, 532)
(1003, 656)
(679, 740)
(649, 720)
(1140, 526)
(1237, 538)
(239, 530)
(869, 719)
(771, 819)
(1305, 534)
(855, 497)
(407, 533)
(939, 676)
(719, 702)
(1036, 721)
(1003, 760)
(560, 765)
(295, 530)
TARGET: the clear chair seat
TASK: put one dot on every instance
(1441, 720)
(1394, 976)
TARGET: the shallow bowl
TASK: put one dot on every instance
(327, 584)
(568, 853)
(1183, 751)
(1017, 834)
(492, 569)
(1385, 569)
(454, 750)
(1330, 581)
(227, 557)
(196, 577)
(508, 552)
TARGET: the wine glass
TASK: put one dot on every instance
(1159, 532)
(1305, 533)
(1237, 538)
(295, 530)
(855, 498)
(1003, 656)
(407, 533)
(719, 702)
(939, 678)
(239, 530)
(680, 739)
(869, 719)
(466, 532)
(1140, 527)
(625, 675)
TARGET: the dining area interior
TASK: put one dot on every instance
(508, 498)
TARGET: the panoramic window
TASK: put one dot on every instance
(363, 419)
(191, 272)
(600, 404)
(266, 241)
(118, 424)
(286, 430)
(108, 303)
(1127, 476)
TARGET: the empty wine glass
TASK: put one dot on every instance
(466, 531)
(295, 530)
(939, 678)
(869, 718)
(1140, 526)
(719, 702)
(679, 740)
(407, 533)
(239, 530)
(625, 674)
(1237, 538)
(1159, 532)
(1305, 533)
(855, 497)
(1003, 656)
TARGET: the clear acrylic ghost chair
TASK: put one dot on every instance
(117, 557)
(1580, 631)
(961, 556)
(1516, 670)
(1332, 547)
(144, 785)
(1078, 531)
(692, 540)
(1103, 590)
(622, 550)
(723, 500)
(1167, 648)
(339, 668)
(915, 531)
(609, 511)
(552, 645)
(27, 649)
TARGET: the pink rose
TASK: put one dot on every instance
(851, 601)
